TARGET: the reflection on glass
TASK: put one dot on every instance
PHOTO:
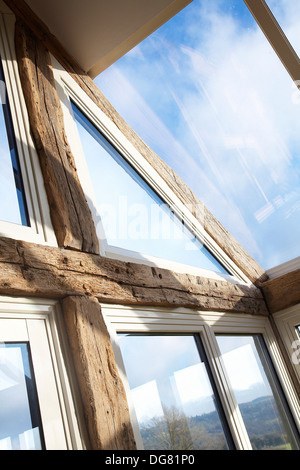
(173, 398)
(20, 425)
(209, 95)
(287, 14)
(133, 216)
(13, 206)
(256, 390)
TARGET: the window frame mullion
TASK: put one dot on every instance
(226, 394)
(228, 431)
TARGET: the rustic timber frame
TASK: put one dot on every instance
(75, 274)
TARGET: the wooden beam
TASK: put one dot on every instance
(213, 227)
(70, 214)
(282, 292)
(35, 270)
(102, 392)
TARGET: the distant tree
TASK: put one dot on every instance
(168, 432)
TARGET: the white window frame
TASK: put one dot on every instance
(68, 89)
(287, 321)
(56, 386)
(40, 230)
(126, 319)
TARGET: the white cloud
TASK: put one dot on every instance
(192, 383)
(147, 402)
(242, 377)
(219, 108)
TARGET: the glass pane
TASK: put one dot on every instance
(12, 196)
(287, 13)
(20, 425)
(133, 216)
(257, 392)
(172, 394)
(209, 95)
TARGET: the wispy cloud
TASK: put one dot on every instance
(210, 96)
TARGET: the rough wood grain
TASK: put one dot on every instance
(44, 271)
(282, 292)
(102, 392)
(70, 214)
(213, 227)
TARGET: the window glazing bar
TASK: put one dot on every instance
(218, 402)
(276, 37)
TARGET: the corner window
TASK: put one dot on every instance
(204, 380)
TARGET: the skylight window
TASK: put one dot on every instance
(133, 217)
(209, 95)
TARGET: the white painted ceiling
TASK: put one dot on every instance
(98, 32)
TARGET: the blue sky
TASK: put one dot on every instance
(207, 93)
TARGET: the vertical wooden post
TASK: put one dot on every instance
(70, 214)
(102, 391)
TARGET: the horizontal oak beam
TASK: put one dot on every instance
(42, 271)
